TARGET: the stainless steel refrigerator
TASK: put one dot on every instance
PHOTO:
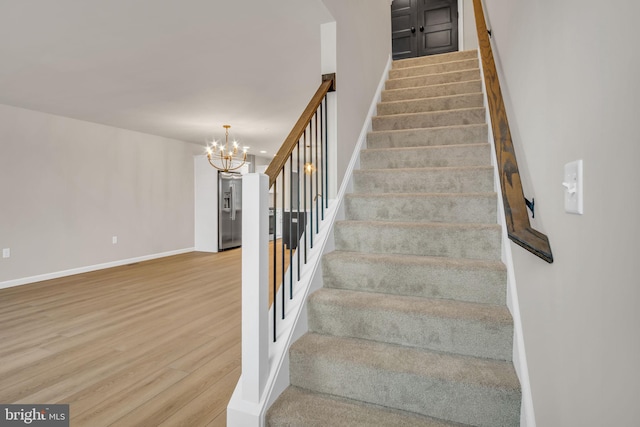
(229, 210)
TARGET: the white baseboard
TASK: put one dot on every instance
(79, 270)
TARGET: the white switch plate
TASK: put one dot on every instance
(114, 239)
(6, 253)
(573, 188)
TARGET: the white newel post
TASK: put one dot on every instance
(255, 291)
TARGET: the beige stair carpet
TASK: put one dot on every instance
(411, 326)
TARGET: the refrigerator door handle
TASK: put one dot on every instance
(233, 201)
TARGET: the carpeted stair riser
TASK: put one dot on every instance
(476, 179)
(466, 116)
(299, 407)
(411, 327)
(435, 59)
(475, 241)
(422, 207)
(459, 279)
(434, 91)
(426, 157)
(450, 102)
(478, 330)
(448, 135)
(433, 79)
(443, 67)
(475, 391)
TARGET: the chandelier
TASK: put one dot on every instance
(223, 155)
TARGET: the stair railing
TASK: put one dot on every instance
(302, 175)
(283, 213)
(515, 204)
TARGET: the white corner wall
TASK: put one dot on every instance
(363, 42)
(67, 187)
(469, 33)
(206, 205)
(569, 73)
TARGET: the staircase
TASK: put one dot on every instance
(411, 327)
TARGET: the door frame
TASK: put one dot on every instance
(460, 25)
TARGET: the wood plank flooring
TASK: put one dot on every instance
(150, 344)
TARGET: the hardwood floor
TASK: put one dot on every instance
(150, 344)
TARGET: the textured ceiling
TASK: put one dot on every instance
(178, 69)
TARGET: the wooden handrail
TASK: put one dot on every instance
(280, 159)
(515, 209)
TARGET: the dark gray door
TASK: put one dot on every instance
(438, 26)
(423, 27)
(404, 41)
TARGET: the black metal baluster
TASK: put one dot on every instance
(317, 194)
(311, 192)
(282, 172)
(275, 233)
(290, 226)
(304, 178)
(326, 150)
(298, 209)
(323, 190)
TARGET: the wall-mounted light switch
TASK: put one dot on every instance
(6, 253)
(572, 183)
(114, 239)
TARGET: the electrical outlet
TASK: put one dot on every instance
(114, 239)
(6, 253)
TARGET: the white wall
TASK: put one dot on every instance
(363, 41)
(261, 161)
(68, 186)
(470, 35)
(570, 77)
(206, 205)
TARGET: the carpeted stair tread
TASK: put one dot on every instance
(458, 155)
(422, 207)
(440, 103)
(463, 389)
(472, 329)
(434, 59)
(300, 407)
(426, 69)
(390, 357)
(482, 281)
(470, 179)
(475, 241)
(442, 135)
(411, 325)
(433, 91)
(433, 79)
(465, 116)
